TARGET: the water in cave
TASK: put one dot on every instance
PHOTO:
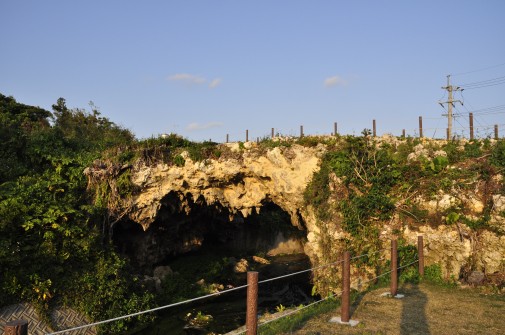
(202, 247)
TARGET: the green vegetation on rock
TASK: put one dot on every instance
(365, 184)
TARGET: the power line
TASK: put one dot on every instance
(479, 70)
(466, 102)
(483, 83)
(500, 109)
(479, 113)
(463, 128)
(469, 104)
(483, 86)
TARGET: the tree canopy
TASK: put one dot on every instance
(52, 250)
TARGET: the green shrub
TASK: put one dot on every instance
(439, 163)
(407, 254)
(433, 274)
(409, 275)
(126, 156)
(473, 149)
(124, 184)
(481, 222)
(451, 218)
(269, 143)
(179, 161)
(453, 153)
(404, 149)
(176, 288)
(106, 291)
(498, 154)
(308, 141)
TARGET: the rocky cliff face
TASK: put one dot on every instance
(248, 178)
(222, 200)
(240, 184)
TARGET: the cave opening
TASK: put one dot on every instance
(186, 225)
(210, 248)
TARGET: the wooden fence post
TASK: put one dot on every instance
(346, 287)
(247, 135)
(394, 267)
(374, 129)
(252, 303)
(17, 327)
(495, 131)
(273, 135)
(227, 138)
(420, 127)
(403, 133)
(420, 254)
(301, 131)
(470, 116)
(335, 129)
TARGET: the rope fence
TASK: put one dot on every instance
(149, 310)
(326, 298)
(344, 305)
(299, 272)
(188, 301)
(364, 255)
(407, 265)
(252, 292)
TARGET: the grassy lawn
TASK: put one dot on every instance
(425, 309)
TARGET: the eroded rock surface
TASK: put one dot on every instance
(241, 184)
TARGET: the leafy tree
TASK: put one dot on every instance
(51, 245)
(87, 131)
(19, 123)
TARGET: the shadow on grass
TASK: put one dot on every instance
(356, 302)
(296, 321)
(413, 320)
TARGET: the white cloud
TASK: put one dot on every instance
(215, 83)
(335, 81)
(198, 126)
(187, 78)
(191, 79)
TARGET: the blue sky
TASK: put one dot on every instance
(204, 69)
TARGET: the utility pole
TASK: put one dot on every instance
(450, 103)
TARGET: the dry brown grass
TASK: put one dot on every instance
(426, 309)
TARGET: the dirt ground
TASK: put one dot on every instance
(425, 309)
